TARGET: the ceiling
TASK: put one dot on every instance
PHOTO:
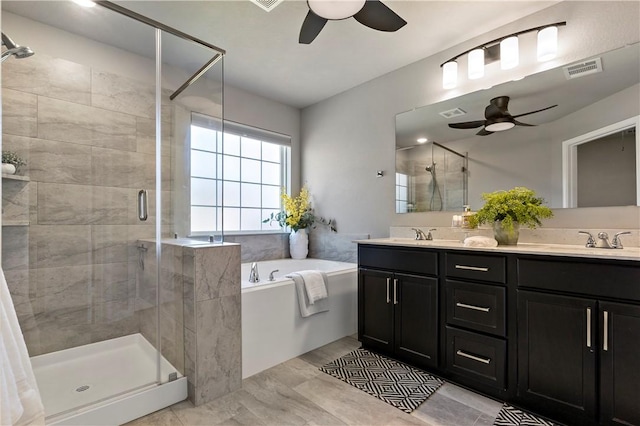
(263, 53)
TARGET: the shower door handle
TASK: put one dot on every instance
(143, 205)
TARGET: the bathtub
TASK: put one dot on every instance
(273, 330)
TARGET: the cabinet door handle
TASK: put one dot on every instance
(472, 268)
(395, 291)
(475, 308)
(473, 357)
(388, 296)
(588, 327)
(605, 335)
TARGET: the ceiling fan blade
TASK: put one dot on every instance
(520, 123)
(533, 112)
(484, 132)
(311, 27)
(467, 124)
(376, 15)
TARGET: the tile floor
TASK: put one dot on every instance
(298, 393)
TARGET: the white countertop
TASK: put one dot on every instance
(627, 253)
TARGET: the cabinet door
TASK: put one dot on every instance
(416, 319)
(556, 355)
(375, 310)
(619, 364)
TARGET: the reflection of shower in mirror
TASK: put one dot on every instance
(435, 198)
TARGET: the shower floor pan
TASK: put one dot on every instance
(105, 383)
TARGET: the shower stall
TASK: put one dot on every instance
(431, 177)
(99, 107)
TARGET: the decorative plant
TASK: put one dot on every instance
(519, 204)
(297, 213)
(10, 157)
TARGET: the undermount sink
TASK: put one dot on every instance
(412, 241)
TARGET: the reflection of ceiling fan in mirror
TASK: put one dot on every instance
(497, 118)
(371, 13)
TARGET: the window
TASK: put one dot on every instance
(236, 177)
(402, 193)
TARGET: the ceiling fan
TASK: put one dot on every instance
(371, 13)
(497, 118)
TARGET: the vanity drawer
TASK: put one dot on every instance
(477, 267)
(477, 357)
(400, 259)
(476, 306)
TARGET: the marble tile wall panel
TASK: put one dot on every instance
(190, 351)
(188, 271)
(217, 272)
(59, 245)
(15, 201)
(146, 136)
(22, 285)
(324, 244)
(148, 324)
(59, 162)
(255, 248)
(172, 341)
(15, 248)
(48, 76)
(123, 169)
(65, 287)
(70, 122)
(61, 329)
(118, 93)
(112, 281)
(19, 113)
(218, 358)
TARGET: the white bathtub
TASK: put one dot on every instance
(273, 330)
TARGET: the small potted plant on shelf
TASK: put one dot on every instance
(11, 162)
(507, 210)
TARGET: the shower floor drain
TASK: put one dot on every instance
(82, 388)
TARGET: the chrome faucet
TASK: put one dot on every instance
(271, 278)
(254, 277)
(603, 240)
(420, 235)
(617, 243)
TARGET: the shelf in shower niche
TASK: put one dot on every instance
(16, 177)
(15, 223)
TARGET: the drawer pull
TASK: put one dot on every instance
(395, 291)
(605, 338)
(388, 297)
(473, 357)
(472, 268)
(588, 327)
(475, 308)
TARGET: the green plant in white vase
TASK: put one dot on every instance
(11, 162)
(507, 210)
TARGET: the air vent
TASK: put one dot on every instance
(267, 5)
(591, 66)
(456, 112)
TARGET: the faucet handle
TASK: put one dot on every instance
(271, 278)
(617, 243)
(591, 243)
(429, 236)
(419, 234)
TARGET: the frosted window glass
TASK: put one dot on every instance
(401, 179)
(251, 148)
(250, 195)
(271, 196)
(271, 152)
(250, 218)
(231, 217)
(203, 192)
(231, 168)
(231, 144)
(250, 170)
(219, 193)
(271, 173)
(402, 193)
(203, 219)
(202, 138)
(231, 194)
(203, 164)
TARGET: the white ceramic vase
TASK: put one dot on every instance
(299, 244)
(8, 169)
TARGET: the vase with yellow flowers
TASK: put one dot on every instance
(298, 216)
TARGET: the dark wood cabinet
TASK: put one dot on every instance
(619, 363)
(398, 315)
(557, 355)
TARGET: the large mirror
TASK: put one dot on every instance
(590, 95)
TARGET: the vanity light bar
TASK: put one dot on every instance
(547, 48)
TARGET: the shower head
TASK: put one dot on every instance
(14, 49)
(431, 168)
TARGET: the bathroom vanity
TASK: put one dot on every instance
(553, 329)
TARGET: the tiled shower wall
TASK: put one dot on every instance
(89, 141)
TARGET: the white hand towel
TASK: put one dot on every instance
(20, 402)
(480, 241)
(307, 309)
(314, 285)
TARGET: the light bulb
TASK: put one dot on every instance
(547, 43)
(476, 64)
(335, 9)
(450, 75)
(509, 53)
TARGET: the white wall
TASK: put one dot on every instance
(348, 137)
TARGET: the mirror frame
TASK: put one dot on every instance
(570, 159)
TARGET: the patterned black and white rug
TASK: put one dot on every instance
(397, 384)
(512, 416)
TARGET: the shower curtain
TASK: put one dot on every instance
(20, 402)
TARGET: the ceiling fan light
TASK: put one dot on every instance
(84, 3)
(335, 9)
(547, 43)
(476, 64)
(450, 75)
(499, 126)
(509, 55)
